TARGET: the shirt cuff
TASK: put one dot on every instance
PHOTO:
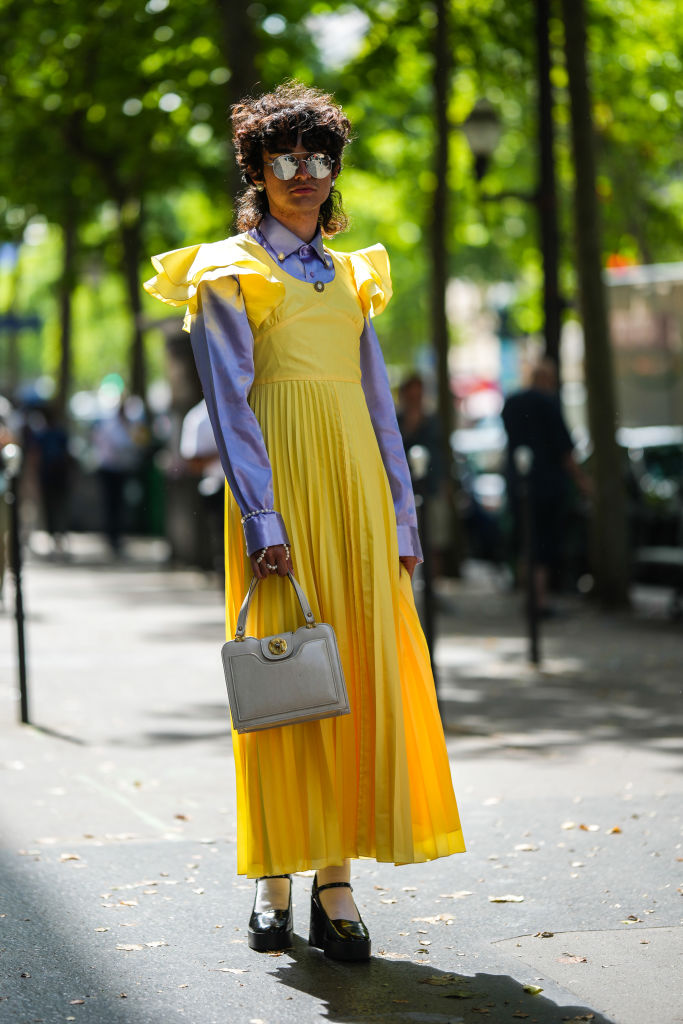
(409, 542)
(264, 530)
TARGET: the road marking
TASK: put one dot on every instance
(149, 819)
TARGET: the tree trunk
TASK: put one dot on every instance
(131, 240)
(239, 52)
(66, 287)
(439, 256)
(547, 190)
(609, 521)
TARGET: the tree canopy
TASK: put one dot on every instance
(113, 118)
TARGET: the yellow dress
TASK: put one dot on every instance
(375, 783)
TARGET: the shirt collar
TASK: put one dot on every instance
(282, 240)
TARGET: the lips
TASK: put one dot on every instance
(302, 190)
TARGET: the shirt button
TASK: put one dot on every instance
(280, 256)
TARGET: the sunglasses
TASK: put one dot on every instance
(318, 165)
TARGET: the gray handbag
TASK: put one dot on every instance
(286, 678)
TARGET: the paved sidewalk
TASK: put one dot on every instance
(119, 901)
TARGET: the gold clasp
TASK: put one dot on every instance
(278, 645)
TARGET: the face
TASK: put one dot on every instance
(300, 194)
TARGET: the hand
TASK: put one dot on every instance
(275, 555)
(409, 562)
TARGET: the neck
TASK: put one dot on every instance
(303, 225)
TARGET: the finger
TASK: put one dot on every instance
(281, 562)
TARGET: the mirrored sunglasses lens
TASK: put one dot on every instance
(285, 167)
(319, 165)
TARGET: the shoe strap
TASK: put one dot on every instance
(264, 878)
(334, 885)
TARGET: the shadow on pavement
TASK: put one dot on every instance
(404, 991)
(45, 961)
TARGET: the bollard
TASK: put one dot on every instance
(12, 459)
(524, 460)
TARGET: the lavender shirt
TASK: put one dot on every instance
(227, 373)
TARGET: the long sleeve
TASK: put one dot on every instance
(223, 347)
(383, 415)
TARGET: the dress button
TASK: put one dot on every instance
(319, 286)
(280, 256)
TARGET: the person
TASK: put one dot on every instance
(117, 455)
(299, 399)
(199, 450)
(533, 418)
(54, 463)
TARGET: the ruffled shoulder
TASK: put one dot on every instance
(180, 272)
(372, 277)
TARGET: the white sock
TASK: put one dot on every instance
(272, 894)
(338, 903)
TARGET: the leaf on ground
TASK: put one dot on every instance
(510, 898)
(68, 856)
(157, 942)
(232, 970)
(425, 942)
(390, 900)
(571, 958)
(544, 935)
(382, 888)
(519, 1014)
(533, 990)
(455, 895)
(198, 891)
(128, 903)
(462, 993)
(182, 817)
(395, 956)
(440, 979)
(568, 825)
(632, 919)
(101, 929)
(76, 1002)
(432, 920)
(129, 947)
(525, 848)
(613, 831)
(409, 888)
(589, 828)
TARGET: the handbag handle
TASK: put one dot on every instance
(244, 610)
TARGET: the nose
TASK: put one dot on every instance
(302, 170)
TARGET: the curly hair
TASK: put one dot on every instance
(273, 121)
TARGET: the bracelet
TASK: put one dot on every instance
(262, 555)
(258, 512)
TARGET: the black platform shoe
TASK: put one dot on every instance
(272, 930)
(339, 939)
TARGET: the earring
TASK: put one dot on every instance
(259, 186)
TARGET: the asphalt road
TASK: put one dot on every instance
(119, 901)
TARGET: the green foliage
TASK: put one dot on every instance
(117, 110)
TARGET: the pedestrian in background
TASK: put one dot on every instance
(533, 419)
(50, 443)
(117, 456)
(304, 420)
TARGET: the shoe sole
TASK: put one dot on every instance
(347, 951)
(264, 943)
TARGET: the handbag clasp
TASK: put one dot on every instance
(278, 645)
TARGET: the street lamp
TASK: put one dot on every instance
(482, 129)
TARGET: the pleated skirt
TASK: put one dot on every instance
(375, 783)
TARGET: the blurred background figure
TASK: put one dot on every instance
(198, 449)
(419, 427)
(49, 446)
(117, 456)
(533, 418)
